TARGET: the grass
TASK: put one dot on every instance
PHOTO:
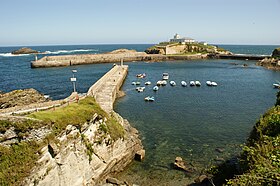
(17, 161)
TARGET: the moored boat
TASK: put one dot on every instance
(276, 85)
(155, 88)
(183, 83)
(172, 83)
(141, 75)
(165, 76)
(149, 98)
(208, 83)
(213, 83)
(163, 82)
(140, 89)
(192, 83)
(197, 83)
(148, 83)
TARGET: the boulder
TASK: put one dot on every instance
(181, 164)
(24, 50)
(139, 156)
(276, 53)
(201, 179)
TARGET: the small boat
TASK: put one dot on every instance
(148, 83)
(140, 89)
(276, 85)
(159, 83)
(163, 82)
(213, 83)
(172, 83)
(183, 83)
(192, 83)
(165, 76)
(197, 83)
(141, 75)
(155, 88)
(148, 98)
(138, 83)
(208, 83)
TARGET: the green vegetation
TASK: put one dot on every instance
(259, 163)
(17, 161)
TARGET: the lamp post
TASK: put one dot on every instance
(73, 79)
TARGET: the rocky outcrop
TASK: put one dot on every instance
(24, 50)
(276, 53)
(270, 63)
(85, 156)
(20, 98)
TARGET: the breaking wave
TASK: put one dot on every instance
(70, 51)
(12, 55)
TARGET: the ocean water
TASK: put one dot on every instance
(190, 122)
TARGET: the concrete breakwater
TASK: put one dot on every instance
(105, 89)
(112, 57)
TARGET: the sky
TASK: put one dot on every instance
(56, 22)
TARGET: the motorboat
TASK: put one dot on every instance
(192, 83)
(159, 83)
(163, 82)
(213, 83)
(276, 85)
(136, 83)
(208, 83)
(149, 98)
(140, 89)
(172, 83)
(148, 83)
(183, 83)
(165, 76)
(155, 88)
(141, 75)
(197, 83)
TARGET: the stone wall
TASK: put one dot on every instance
(69, 60)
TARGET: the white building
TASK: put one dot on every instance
(178, 39)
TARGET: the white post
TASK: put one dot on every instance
(122, 62)
(36, 58)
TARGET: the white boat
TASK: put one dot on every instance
(140, 89)
(213, 83)
(133, 83)
(165, 76)
(148, 98)
(197, 83)
(155, 88)
(192, 83)
(163, 82)
(276, 85)
(148, 83)
(136, 83)
(183, 83)
(208, 83)
(141, 75)
(172, 83)
(159, 83)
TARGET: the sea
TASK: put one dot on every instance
(203, 125)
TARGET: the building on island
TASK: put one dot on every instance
(178, 39)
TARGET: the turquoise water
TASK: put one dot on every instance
(190, 122)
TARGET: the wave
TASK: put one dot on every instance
(70, 51)
(12, 55)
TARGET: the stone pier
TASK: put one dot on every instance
(105, 89)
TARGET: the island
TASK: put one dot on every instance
(272, 62)
(24, 50)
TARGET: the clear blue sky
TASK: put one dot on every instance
(40, 22)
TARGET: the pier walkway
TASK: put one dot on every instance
(106, 88)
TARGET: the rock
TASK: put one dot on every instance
(10, 134)
(220, 150)
(180, 164)
(114, 181)
(21, 98)
(219, 159)
(202, 178)
(276, 53)
(24, 51)
(139, 156)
